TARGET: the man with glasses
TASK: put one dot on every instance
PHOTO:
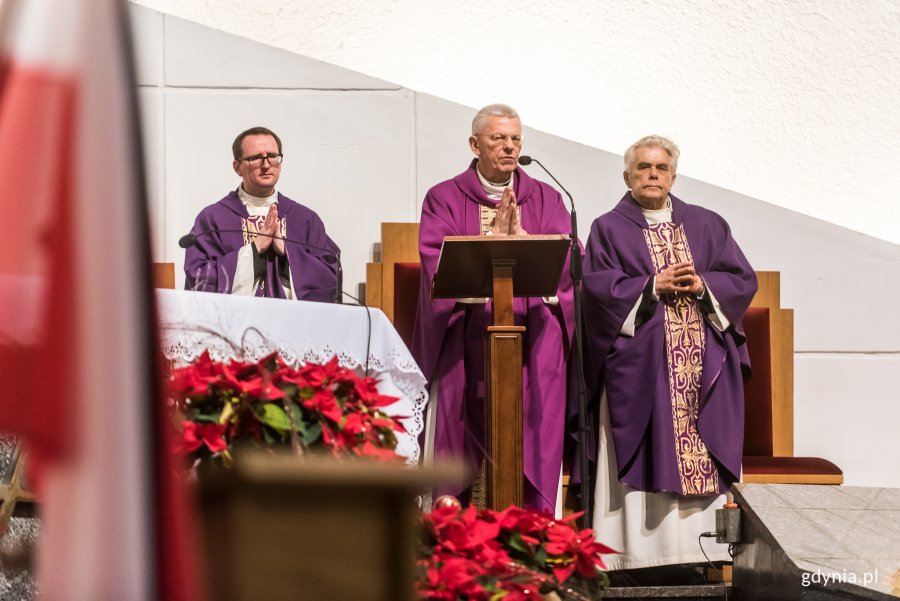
(256, 241)
(494, 197)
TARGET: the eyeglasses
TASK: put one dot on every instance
(257, 159)
(498, 139)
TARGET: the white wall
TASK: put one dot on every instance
(361, 151)
(793, 102)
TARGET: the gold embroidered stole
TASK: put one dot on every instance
(487, 218)
(250, 228)
(685, 341)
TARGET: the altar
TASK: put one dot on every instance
(249, 328)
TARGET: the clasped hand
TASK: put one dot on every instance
(679, 277)
(268, 230)
(509, 218)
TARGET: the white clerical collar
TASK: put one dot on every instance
(663, 215)
(493, 190)
(256, 201)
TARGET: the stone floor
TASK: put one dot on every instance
(18, 586)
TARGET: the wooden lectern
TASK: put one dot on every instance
(281, 528)
(502, 267)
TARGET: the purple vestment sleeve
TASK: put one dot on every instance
(633, 369)
(220, 228)
(448, 336)
(210, 264)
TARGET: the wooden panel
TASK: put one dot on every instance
(769, 292)
(781, 339)
(503, 417)
(503, 294)
(164, 275)
(399, 244)
(282, 529)
(373, 285)
(781, 335)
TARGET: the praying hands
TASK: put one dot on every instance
(267, 231)
(509, 218)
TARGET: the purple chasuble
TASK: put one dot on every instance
(311, 255)
(448, 341)
(675, 389)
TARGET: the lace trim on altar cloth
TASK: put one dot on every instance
(396, 372)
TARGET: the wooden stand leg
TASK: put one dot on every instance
(503, 417)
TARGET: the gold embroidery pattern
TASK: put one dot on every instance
(685, 341)
(250, 227)
(488, 217)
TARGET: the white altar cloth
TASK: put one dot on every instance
(249, 328)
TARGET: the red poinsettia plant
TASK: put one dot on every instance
(269, 404)
(514, 555)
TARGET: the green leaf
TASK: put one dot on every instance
(299, 425)
(275, 417)
(313, 433)
(267, 436)
(298, 418)
(196, 416)
(541, 556)
(516, 542)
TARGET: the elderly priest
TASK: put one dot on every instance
(494, 197)
(666, 286)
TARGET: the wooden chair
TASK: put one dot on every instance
(406, 298)
(769, 396)
(399, 244)
(393, 285)
(164, 275)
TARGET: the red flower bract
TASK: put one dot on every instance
(195, 435)
(513, 554)
(270, 403)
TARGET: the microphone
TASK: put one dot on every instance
(187, 241)
(330, 257)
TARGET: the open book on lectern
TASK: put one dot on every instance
(465, 265)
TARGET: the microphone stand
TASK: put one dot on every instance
(338, 294)
(576, 272)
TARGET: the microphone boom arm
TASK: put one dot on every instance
(576, 272)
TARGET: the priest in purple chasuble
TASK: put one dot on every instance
(666, 286)
(494, 197)
(258, 242)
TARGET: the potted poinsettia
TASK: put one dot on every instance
(514, 555)
(270, 404)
